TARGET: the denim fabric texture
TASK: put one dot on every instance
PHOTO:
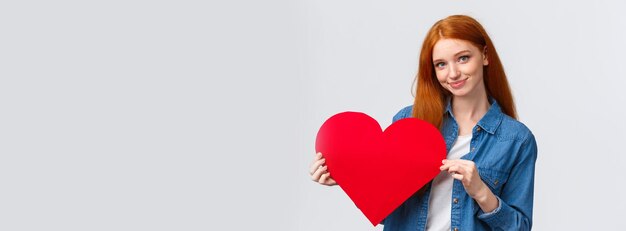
(504, 151)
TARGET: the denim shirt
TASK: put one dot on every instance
(504, 151)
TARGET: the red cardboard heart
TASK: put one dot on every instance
(380, 170)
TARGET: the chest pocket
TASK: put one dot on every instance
(494, 179)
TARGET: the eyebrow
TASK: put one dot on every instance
(437, 60)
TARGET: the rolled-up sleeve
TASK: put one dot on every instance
(515, 209)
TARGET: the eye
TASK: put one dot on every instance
(464, 58)
(440, 65)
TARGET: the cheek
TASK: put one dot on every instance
(441, 75)
(473, 69)
(441, 78)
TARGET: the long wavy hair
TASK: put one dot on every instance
(430, 96)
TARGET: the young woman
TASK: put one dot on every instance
(487, 179)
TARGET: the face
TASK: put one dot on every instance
(459, 67)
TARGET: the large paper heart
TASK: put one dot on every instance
(380, 170)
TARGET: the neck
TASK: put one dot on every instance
(471, 108)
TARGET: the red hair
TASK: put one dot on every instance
(430, 97)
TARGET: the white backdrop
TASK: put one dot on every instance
(194, 115)
(564, 63)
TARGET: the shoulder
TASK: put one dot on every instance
(512, 129)
(405, 112)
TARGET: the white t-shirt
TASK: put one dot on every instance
(440, 201)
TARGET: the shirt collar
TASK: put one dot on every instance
(490, 121)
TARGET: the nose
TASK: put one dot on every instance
(454, 73)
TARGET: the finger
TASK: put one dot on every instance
(444, 167)
(457, 176)
(466, 163)
(452, 162)
(323, 178)
(457, 169)
(446, 164)
(316, 175)
(331, 181)
(315, 165)
(454, 170)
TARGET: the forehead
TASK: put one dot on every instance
(445, 48)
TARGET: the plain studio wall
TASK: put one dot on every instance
(563, 61)
(194, 115)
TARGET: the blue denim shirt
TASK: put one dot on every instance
(504, 151)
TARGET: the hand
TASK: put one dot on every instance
(467, 173)
(319, 171)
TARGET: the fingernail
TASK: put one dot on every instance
(443, 161)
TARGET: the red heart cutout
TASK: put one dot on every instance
(380, 170)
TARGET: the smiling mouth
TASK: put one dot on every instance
(458, 84)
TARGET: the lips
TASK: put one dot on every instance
(458, 84)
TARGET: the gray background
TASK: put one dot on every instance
(194, 115)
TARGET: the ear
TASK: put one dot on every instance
(485, 58)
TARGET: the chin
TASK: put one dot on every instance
(459, 92)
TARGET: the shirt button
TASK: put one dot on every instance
(478, 129)
(456, 200)
(456, 229)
